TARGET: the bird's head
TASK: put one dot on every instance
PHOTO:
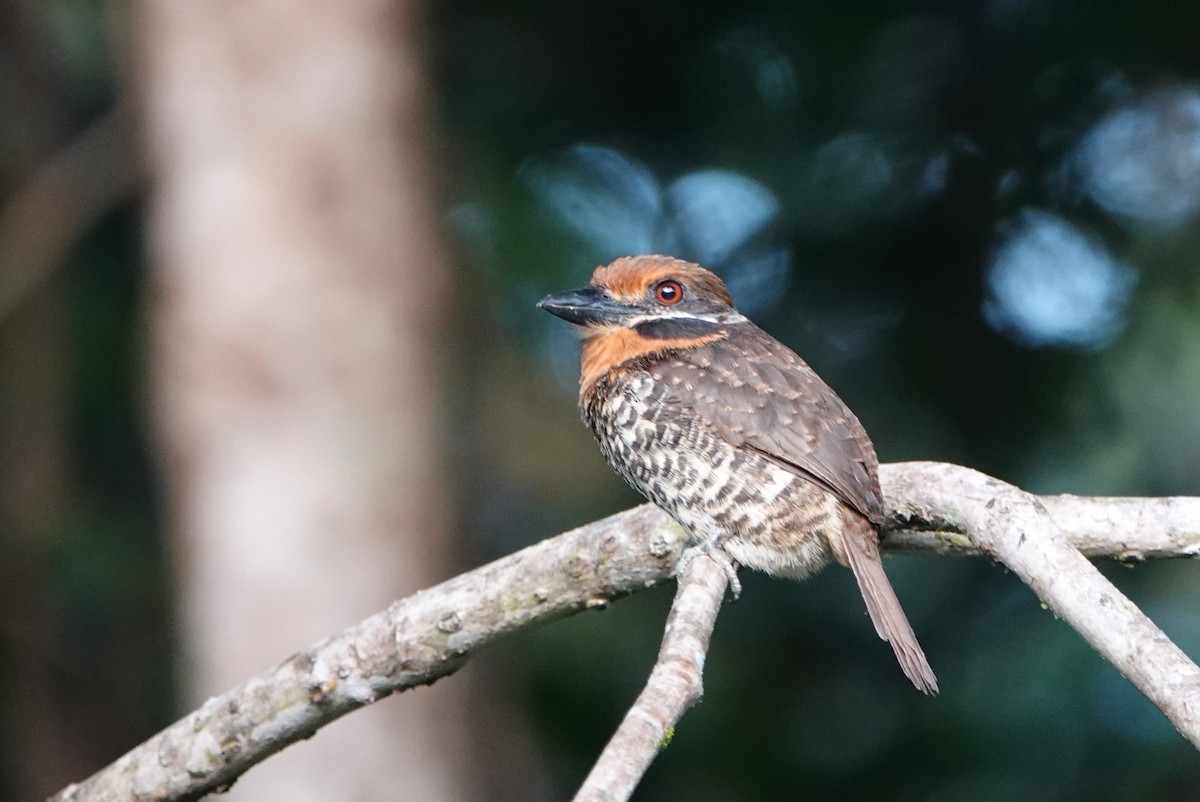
(652, 294)
(643, 306)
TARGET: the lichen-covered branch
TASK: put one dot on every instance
(933, 508)
(414, 642)
(1128, 529)
(1023, 532)
(675, 684)
(947, 509)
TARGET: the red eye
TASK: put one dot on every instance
(668, 292)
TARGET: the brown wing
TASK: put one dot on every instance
(758, 394)
(766, 398)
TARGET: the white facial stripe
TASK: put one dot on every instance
(723, 318)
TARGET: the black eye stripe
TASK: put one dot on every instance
(672, 328)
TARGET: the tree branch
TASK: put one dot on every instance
(1128, 529)
(1019, 530)
(416, 641)
(933, 508)
(675, 684)
(61, 201)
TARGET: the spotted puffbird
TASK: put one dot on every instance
(731, 433)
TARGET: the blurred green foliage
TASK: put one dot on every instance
(979, 255)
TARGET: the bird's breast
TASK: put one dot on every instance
(614, 350)
(718, 491)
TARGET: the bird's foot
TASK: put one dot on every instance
(712, 549)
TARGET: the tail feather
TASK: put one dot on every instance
(862, 551)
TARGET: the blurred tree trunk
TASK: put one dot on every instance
(296, 303)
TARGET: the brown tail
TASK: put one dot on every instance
(862, 549)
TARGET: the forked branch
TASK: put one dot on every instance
(934, 508)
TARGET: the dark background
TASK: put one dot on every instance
(977, 221)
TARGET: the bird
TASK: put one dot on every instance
(731, 433)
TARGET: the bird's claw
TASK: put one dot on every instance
(718, 555)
